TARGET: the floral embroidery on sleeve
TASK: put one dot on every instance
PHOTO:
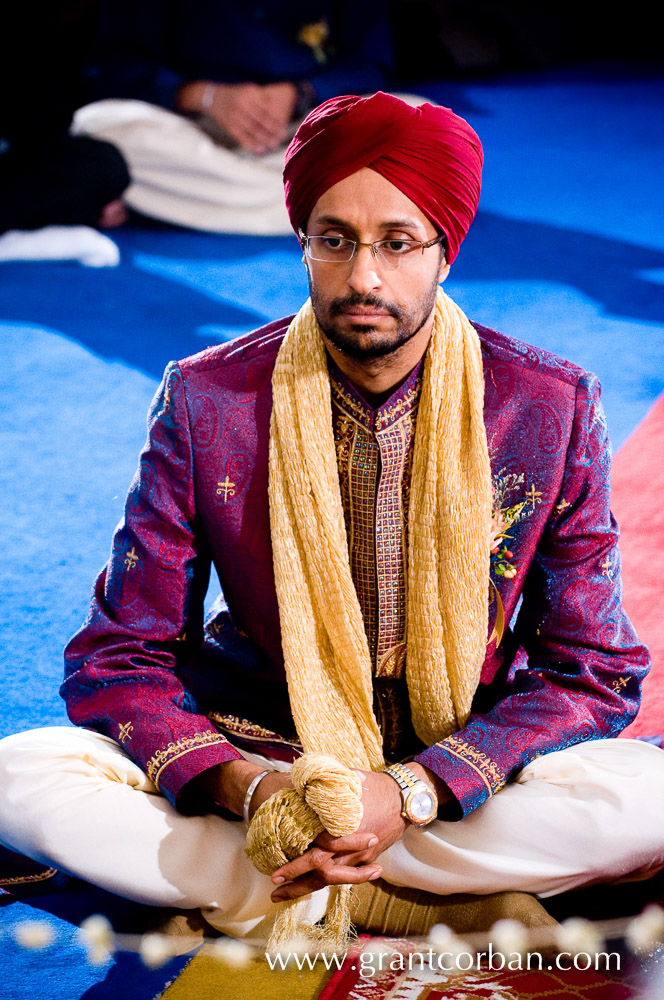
(505, 513)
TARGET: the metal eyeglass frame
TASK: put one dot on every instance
(304, 242)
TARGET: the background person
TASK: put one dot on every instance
(202, 97)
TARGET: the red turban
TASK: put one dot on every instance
(429, 153)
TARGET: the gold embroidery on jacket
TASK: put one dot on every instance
(132, 558)
(226, 487)
(488, 769)
(393, 662)
(533, 496)
(237, 726)
(126, 729)
(401, 408)
(167, 755)
(166, 402)
(21, 879)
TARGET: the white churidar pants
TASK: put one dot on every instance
(73, 799)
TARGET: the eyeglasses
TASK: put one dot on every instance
(390, 254)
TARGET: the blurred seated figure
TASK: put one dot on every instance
(49, 178)
(202, 96)
(59, 179)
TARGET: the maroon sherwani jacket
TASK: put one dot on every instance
(180, 699)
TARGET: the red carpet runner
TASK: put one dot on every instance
(418, 980)
(638, 504)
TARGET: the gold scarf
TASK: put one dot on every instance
(326, 653)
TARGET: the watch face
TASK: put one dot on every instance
(421, 806)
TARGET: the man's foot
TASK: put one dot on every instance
(381, 908)
(81, 243)
(185, 930)
(113, 215)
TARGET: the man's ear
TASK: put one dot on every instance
(444, 271)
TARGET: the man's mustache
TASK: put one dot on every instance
(373, 301)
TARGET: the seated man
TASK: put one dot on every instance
(203, 97)
(382, 487)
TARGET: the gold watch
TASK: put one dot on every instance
(419, 802)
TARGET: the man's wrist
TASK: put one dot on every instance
(196, 97)
(227, 783)
(430, 778)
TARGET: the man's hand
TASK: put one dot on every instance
(350, 859)
(255, 117)
(282, 100)
(347, 860)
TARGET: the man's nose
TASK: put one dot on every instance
(364, 276)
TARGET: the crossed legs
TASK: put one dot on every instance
(74, 800)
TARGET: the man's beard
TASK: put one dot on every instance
(408, 324)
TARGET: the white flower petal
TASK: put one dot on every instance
(155, 950)
(34, 934)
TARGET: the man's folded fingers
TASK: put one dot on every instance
(346, 848)
(348, 844)
(328, 875)
(311, 860)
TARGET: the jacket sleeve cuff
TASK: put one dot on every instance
(178, 763)
(471, 776)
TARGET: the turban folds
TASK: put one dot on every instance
(429, 153)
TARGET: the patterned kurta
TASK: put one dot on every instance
(179, 700)
(374, 455)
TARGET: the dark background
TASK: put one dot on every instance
(49, 43)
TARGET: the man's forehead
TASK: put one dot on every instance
(367, 198)
(403, 222)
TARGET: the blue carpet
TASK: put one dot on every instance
(61, 971)
(567, 253)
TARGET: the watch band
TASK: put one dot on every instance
(404, 777)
